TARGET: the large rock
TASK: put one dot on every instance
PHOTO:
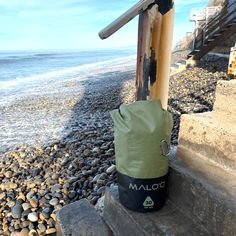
(81, 219)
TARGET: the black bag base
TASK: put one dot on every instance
(142, 195)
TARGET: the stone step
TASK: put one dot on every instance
(168, 221)
(204, 191)
(210, 136)
(226, 97)
(80, 219)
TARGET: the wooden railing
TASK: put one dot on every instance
(209, 31)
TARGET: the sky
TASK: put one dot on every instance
(74, 24)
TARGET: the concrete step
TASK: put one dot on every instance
(205, 192)
(226, 97)
(210, 136)
(169, 221)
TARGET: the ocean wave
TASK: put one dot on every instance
(65, 73)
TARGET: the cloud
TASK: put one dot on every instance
(72, 23)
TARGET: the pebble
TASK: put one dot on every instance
(17, 211)
(8, 174)
(95, 178)
(33, 217)
(96, 150)
(72, 194)
(21, 196)
(73, 179)
(101, 181)
(33, 202)
(55, 176)
(12, 185)
(95, 162)
(56, 188)
(53, 201)
(111, 169)
(46, 212)
(42, 227)
(86, 152)
(2, 195)
(35, 171)
(65, 161)
(11, 204)
(26, 206)
(24, 232)
(51, 231)
(33, 232)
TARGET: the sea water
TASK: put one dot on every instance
(22, 72)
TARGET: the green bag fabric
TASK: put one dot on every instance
(142, 139)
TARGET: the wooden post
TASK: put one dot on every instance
(155, 34)
(145, 53)
(160, 88)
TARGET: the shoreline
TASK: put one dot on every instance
(48, 109)
(79, 160)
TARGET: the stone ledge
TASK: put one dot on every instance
(211, 135)
(81, 219)
(205, 192)
(168, 221)
(226, 97)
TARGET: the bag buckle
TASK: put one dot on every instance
(165, 148)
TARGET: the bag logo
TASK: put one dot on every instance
(147, 187)
(148, 203)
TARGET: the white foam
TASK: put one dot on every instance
(45, 83)
(125, 61)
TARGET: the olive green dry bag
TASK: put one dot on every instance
(142, 141)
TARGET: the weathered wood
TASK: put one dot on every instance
(155, 34)
(138, 8)
(145, 31)
(156, 40)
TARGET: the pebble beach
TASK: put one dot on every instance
(57, 144)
